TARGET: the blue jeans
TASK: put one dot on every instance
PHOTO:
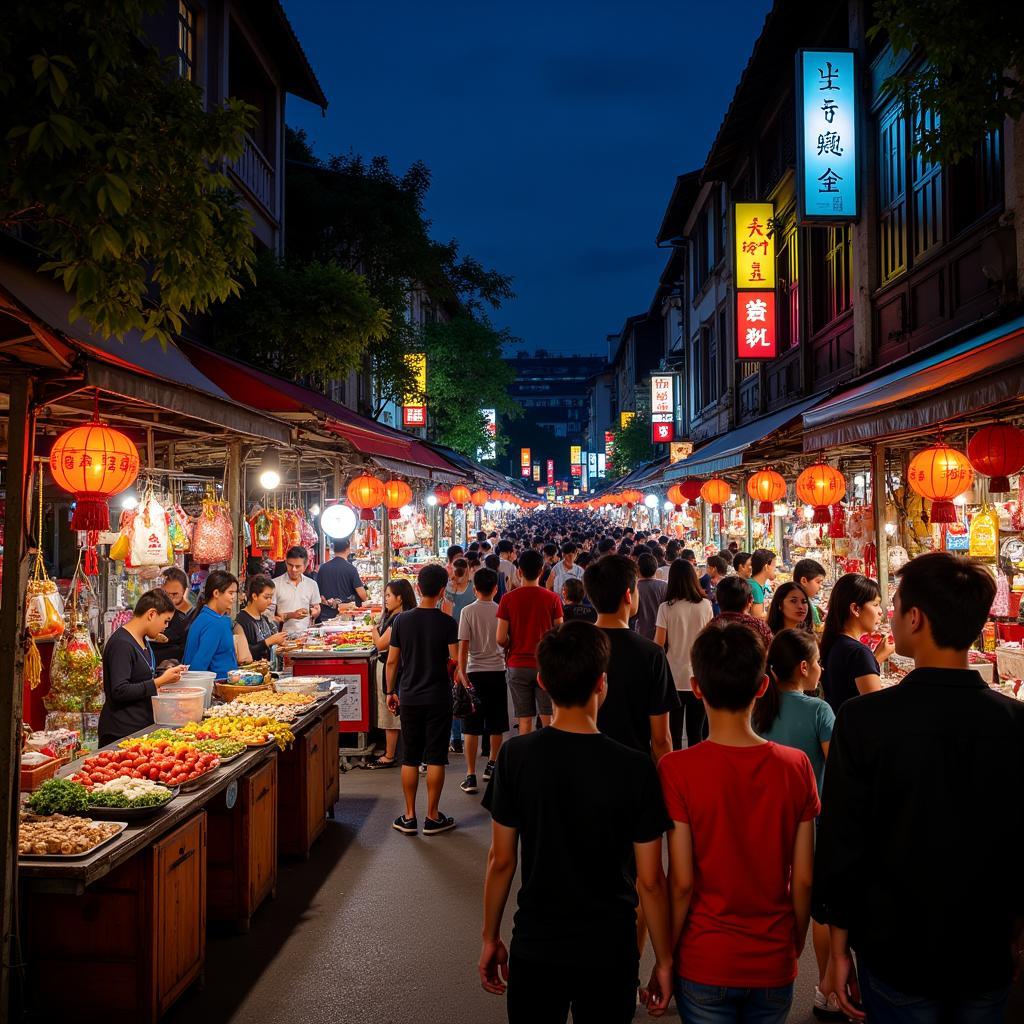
(716, 1004)
(456, 730)
(886, 1005)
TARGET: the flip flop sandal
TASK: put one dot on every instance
(381, 763)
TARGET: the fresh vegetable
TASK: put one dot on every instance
(159, 762)
(59, 796)
(179, 741)
(246, 730)
(129, 792)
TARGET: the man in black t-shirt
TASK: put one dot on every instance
(339, 582)
(589, 816)
(641, 693)
(422, 642)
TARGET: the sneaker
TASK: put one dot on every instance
(407, 826)
(827, 1008)
(455, 747)
(469, 784)
(433, 827)
(423, 769)
(488, 771)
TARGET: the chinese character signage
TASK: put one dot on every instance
(491, 424)
(609, 444)
(827, 98)
(662, 399)
(536, 472)
(524, 461)
(576, 469)
(755, 325)
(575, 454)
(625, 418)
(592, 465)
(551, 471)
(414, 414)
(755, 244)
(679, 450)
(662, 433)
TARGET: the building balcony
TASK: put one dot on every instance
(255, 173)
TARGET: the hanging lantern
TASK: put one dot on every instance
(940, 473)
(676, 496)
(716, 493)
(443, 495)
(397, 493)
(479, 498)
(495, 496)
(460, 495)
(997, 451)
(366, 493)
(691, 491)
(766, 488)
(820, 486)
(94, 463)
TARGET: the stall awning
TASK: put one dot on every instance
(976, 374)
(727, 450)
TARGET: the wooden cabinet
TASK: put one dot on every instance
(301, 793)
(331, 767)
(126, 948)
(242, 852)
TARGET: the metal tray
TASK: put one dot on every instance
(76, 856)
(130, 813)
(191, 787)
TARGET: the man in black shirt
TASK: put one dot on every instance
(422, 642)
(590, 843)
(921, 809)
(339, 582)
(641, 693)
(171, 645)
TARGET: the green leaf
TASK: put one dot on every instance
(35, 136)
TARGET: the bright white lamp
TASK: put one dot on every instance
(338, 521)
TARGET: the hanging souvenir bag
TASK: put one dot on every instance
(149, 537)
(263, 530)
(76, 671)
(121, 549)
(212, 537)
(179, 527)
(309, 535)
(44, 610)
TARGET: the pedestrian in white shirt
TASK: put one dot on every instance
(296, 596)
(565, 569)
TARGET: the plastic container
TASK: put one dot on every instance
(298, 684)
(36, 768)
(245, 677)
(178, 705)
(204, 680)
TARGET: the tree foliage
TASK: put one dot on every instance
(113, 169)
(302, 320)
(632, 446)
(973, 58)
(466, 372)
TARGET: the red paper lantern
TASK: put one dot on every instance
(366, 493)
(632, 497)
(443, 495)
(94, 463)
(691, 491)
(940, 473)
(397, 493)
(460, 495)
(766, 487)
(716, 493)
(479, 498)
(997, 451)
(820, 486)
(676, 496)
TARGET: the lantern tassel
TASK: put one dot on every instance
(999, 485)
(33, 667)
(394, 513)
(943, 512)
(821, 515)
(91, 514)
(766, 508)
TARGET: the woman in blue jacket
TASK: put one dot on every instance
(211, 645)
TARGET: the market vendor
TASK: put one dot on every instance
(252, 622)
(128, 669)
(339, 582)
(171, 646)
(210, 646)
(296, 596)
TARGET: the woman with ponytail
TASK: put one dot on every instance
(785, 714)
(211, 643)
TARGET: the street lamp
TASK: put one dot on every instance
(270, 469)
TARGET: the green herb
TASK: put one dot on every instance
(59, 796)
(105, 799)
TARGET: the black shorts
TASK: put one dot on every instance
(541, 993)
(426, 732)
(492, 718)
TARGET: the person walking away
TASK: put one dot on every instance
(810, 575)
(494, 562)
(735, 599)
(339, 582)
(296, 595)
(762, 572)
(921, 805)
(651, 592)
(210, 645)
(851, 667)
(718, 569)
(785, 714)
(565, 569)
(128, 669)
(170, 646)
(398, 597)
(422, 642)
(506, 565)
(640, 691)
(524, 616)
(261, 633)
(685, 612)
(573, 604)
(457, 595)
(482, 669)
(590, 844)
(789, 609)
(742, 847)
(741, 564)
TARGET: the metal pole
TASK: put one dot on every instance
(20, 444)
(878, 507)
(235, 499)
(385, 540)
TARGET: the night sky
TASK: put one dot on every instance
(554, 132)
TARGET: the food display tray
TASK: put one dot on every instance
(204, 779)
(265, 743)
(129, 813)
(77, 856)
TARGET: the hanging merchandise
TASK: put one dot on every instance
(837, 526)
(292, 528)
(766, 487)
(310, 539)
(958, 536)
(1001, 605)
(819, 486)
(997, 451)
(940, 473)
(179, 528)
(984, 542)
(150, 541)
(44, 610)
(121, 549)
(76, 670)
(262, 530)
(213, 537)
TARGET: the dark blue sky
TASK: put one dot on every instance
(554, 132)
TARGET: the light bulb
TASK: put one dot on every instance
(431, 500)
(269, 479)
(314, 510)
(669, 506)
(651, 501)
(129, 501)
(338, 521)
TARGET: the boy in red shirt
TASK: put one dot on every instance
(742, 850)
(524, 616)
